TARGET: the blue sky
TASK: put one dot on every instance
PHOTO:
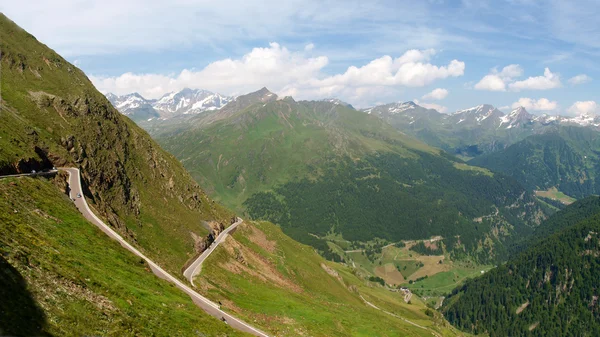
(540, 54)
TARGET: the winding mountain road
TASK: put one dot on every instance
(194, 268)
(201, 301)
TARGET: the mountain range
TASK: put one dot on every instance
(474, 131)
(561, 150)
(285, 161)
(467, 133)
(184, 102)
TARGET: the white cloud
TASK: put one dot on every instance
(584, 108)
(497, 80)
(412, 69)
(293, 73)
(436, 94)
(274, 67)
(440, 108)
(501, 80)
(309, 47)
(542, 104)
(579, 79)
(549, 80)
(491, 83)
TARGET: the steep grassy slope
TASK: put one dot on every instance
(566, 158)
(61, 276)
(265, 277)
(318, 167)
(51, 115)
(551, 289)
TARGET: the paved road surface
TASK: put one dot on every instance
(194, 268)
(201, 301)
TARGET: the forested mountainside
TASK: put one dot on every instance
(317, 167)
(566, 158)
(51, 115)
(550, 289)
(384, 192)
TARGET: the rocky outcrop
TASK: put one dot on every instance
(201, 243)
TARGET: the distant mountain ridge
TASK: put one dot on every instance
(184, 102)
(481, 114)
(542, 152)
(473, 131)
(133, 105)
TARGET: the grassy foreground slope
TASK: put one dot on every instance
(61, 276)
(51, 115)
(267, 278)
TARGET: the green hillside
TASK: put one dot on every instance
(51, 115)
(266, 144)
(265, 277)
(320, 167)
(550, 289)
(61, 276)
(566, 158)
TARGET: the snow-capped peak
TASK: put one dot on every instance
(400, 107)
(484, 113)
(127, 102)
(583, 120)
(517, 117)
(110, 96)
(336, 102)
(133, 105)
(189, 101)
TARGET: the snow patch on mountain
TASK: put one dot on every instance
(190, 101)
(186, 101)
(517, 117)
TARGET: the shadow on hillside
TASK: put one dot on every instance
(19, 313)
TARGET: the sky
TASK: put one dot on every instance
(447, 55)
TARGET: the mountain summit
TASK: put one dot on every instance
(185, 102)
(517, 117)
(485, 115)
(189, 101)
(133, 106)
